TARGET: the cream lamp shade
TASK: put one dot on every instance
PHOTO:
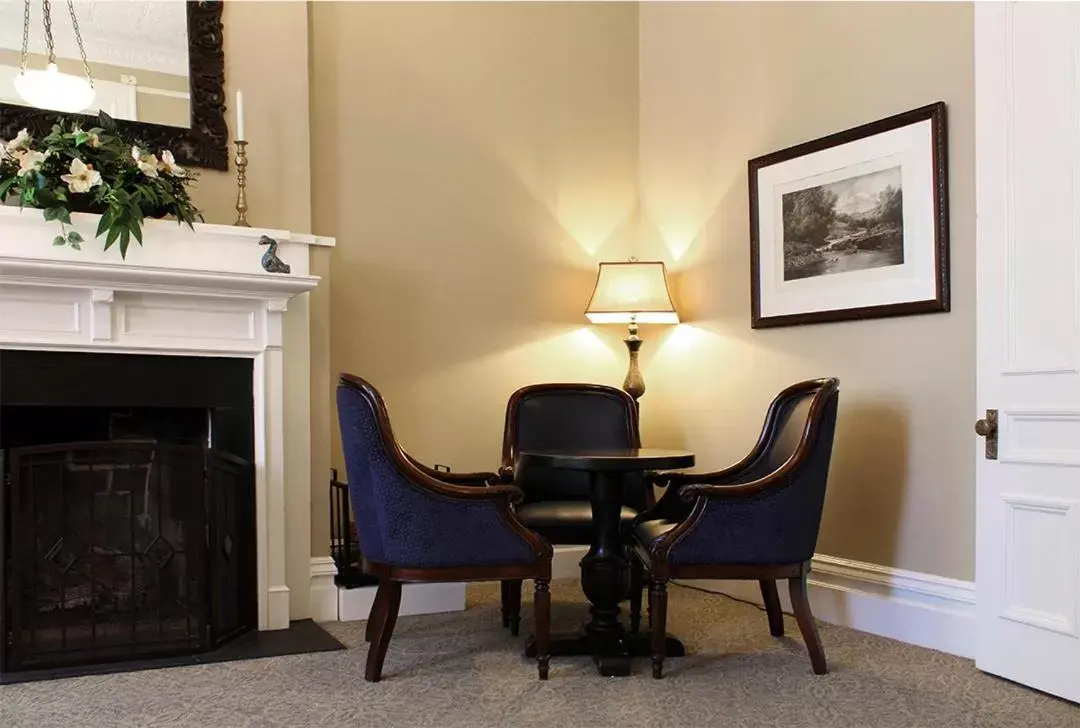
(634, 292)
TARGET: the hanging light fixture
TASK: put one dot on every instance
(51, 89)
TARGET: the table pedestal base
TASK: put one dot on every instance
(611, 654)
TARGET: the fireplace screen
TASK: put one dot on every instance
(124, 550)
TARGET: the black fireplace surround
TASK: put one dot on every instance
(127, 522)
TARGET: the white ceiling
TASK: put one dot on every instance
(141, 34)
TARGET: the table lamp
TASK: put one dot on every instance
(634, 292)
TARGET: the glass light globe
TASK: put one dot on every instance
(50, 89)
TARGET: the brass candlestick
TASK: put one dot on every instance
(241, 181)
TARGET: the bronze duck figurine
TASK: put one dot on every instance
(271, 263)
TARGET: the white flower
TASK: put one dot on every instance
(21, 142)
(147, 163)
(29, 161)
(169, 166)
(93, 140)
(82, 178)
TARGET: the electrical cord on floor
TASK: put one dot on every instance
(692, 587)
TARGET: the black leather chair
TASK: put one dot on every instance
(758, 519)
(556, 504)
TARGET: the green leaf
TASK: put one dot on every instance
(81, 138)
(74, 237)
(125, 241)
(135, 225)
(105, 223)
(114, 233)
(51, 213)
(47, 199)
(63, 215)
(59, 240)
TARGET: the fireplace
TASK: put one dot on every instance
(127, 523)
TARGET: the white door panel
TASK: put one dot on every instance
(1028, 246)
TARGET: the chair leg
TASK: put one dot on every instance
(504, 602)
(542, 605)
(384, 629)
(807, 625)
(772, 607)
(514, 605)
(658, 610)
(374, 616)
(637, 577)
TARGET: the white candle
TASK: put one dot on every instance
(240, 116)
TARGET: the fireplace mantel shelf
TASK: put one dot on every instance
(126, 277)
(218, 260)
(198, 292)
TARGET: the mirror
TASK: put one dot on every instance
(157, 67)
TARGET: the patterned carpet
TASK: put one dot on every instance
(462, 670)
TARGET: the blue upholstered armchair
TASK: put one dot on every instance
(415, 526)
(758, 519)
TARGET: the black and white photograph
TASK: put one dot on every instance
(853, 225)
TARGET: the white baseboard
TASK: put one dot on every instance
(324, 592)
(356, 603)
(921, 609)
(330, 603)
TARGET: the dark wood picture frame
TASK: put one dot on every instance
(206, 143)
(936, 114)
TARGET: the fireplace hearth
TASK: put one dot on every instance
(127, 526)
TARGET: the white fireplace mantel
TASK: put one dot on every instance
(183, 292)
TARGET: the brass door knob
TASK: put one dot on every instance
(988, 428)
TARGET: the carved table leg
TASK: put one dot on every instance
(605, 579)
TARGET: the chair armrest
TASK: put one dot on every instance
(434, 481)
(510, 493)
(691, 492)
(671, 506)
(479, 478)
(717, 477)
(668, 508)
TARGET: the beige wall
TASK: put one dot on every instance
(474, 161)
(274, 78)
(723, 83)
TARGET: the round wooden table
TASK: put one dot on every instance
(605, 570)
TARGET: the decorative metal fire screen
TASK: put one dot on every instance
(344, 546)
(124, 550)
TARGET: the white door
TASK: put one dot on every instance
(1027, 98)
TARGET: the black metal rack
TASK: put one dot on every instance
(344, 545)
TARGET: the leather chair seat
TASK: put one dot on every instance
(566, 522)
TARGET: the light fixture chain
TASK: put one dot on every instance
(78, 39)
(25, 36)
(46, 15)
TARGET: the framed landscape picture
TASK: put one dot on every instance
(853, 225)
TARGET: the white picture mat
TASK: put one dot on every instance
(910, 147)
